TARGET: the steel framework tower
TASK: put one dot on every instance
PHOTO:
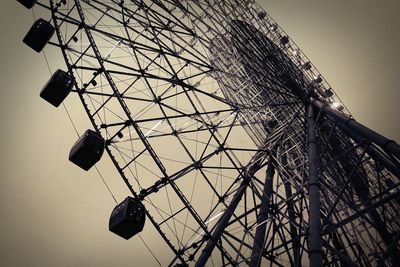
(222, 129)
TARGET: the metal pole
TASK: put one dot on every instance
(251, 169)
(292, 219)
(373, 152)
(358, 214)
(314, 220)
(293, 231)
(389, 146)
(386, 144)
(259, 238)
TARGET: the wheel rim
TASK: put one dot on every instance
(155, 84)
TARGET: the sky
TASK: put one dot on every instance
(54, 214)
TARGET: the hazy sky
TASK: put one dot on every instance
(53, 214)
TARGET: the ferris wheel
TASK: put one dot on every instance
(234, 147)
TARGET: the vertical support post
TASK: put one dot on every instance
(251, 169)
(293, 231)
(292, 219)
(263, 214)
(219, 229)
(314, 220)
(389, 146)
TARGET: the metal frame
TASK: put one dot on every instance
(215, 79)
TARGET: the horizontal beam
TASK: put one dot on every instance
(357, 215)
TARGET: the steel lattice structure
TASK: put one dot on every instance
(229, 136)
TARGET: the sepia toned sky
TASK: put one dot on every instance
(54, 214)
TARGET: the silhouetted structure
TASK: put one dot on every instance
(127, 219)
(87, 150)
(213, 117)
(57, 88)
(39, 35)
(28, 3)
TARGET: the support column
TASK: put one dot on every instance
(292, 219)
(389, 146)
(259, 238)
(314, 220)
(251, 169)
(293, 231)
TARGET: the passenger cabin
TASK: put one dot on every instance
(284, 40)
(28, 3)
(57, 88)
(262, 14)
(328, 93)
(307, 66)
(88, 150)
(128, 218)
(338, 106)
(317, 79)
(39, 35)
(273, 27)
